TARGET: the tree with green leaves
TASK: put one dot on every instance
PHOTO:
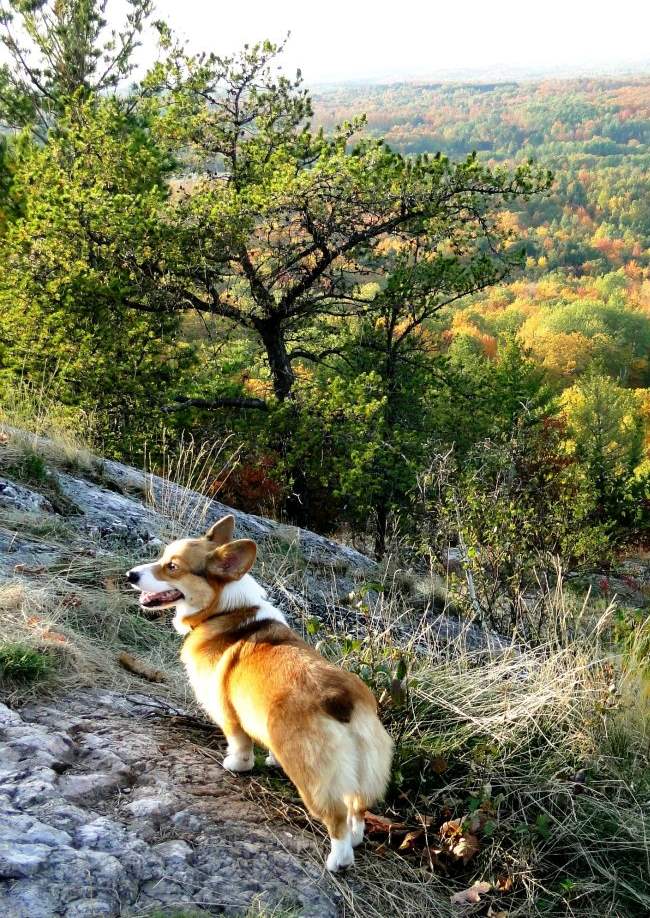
(60, 51)
(392, 346)
(92, 194)
(283, 225)
(207, 190)
(606, 432)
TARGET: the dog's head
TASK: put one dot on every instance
(194, 572)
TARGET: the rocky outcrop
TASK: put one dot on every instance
(17, 497)
(116, 500)
(111, 806)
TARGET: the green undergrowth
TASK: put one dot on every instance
(527, 770)
(21, 664)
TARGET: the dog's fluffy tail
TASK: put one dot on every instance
(344, 764)
(373, 750)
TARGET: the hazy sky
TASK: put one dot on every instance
(372, 39)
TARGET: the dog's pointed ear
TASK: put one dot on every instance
(232, 561)
(222, 531)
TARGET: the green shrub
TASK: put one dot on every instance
(23, 665)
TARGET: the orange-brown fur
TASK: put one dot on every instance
(277, 672)
(261, 682)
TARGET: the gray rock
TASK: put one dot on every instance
(62, 816)
(31, 740)
(152, 808)
(103, 834)
(36, 789)
(174, 852)
(8, 718)
(18, 860)
(188, 840)
(89, 787)
(31, 899)
(17, 828)
(90, 908)
(107, 513)
(17, 497)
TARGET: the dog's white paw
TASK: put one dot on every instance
(271, 760)
(234, 762)
(357, 828)
(341, 855)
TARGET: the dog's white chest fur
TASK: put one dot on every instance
(206, 683)
(206, 678)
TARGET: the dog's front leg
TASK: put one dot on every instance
(240, 749)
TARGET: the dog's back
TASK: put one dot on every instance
(319, 721)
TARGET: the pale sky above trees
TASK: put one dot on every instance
(375, 39)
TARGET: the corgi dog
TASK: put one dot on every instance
(261, 683)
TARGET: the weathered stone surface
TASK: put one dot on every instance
(15, 496)
(74, 844)
(115, 500)
(21, 860)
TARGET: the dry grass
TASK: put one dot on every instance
(75, 608)
(549, 744)
(38, 424)
(182, 484)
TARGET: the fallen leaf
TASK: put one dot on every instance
(504, 883)
(471, 896)
(499, 913)
(380, 825)
(466, 847)
(26, 569)
(460, 843)
(450, 827)
(411, 839)
(439, 765)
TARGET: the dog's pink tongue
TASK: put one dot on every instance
(146, 598)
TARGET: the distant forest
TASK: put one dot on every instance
(368, 293)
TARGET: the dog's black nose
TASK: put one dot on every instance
(133, 576)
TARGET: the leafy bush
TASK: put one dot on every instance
(22, 665)
(516, 512)
(527, 770)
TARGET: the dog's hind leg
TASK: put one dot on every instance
(336, 821)
(356, 820)
(335, 818)
(240, 755)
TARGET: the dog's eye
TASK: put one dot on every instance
(172, 567)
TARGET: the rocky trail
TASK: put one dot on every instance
(113, 801)
(107, 808)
